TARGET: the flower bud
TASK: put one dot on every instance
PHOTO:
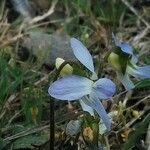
(136, 113)
(88, 134)
(113, 59)
(34, 113)
(67, 69)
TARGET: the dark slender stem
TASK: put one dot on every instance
(52, 113)
(52, 125)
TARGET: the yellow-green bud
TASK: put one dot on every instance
(67, 69)
(136, 113)
(34, 113)
(113, 59)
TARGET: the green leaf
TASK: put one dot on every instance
(28, 141)
(123, 60)
(2, 144)
(135, 136)
(143, 83)
(32, 105)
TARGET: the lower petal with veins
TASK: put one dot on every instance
(139, 72)
(96, 104)
(86, 107)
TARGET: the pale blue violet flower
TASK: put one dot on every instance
(89, 92)
(125, 62)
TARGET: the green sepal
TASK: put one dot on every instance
(93, 123)
(119, 60)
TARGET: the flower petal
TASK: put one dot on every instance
(104, 88)
(96, 104)
(134, 59)
(86, 107)
(94, 76)
(140, 72)
(125, 80)
(115, 40)
(70, 87)
(102, 127)
(82, 54)
(125, 47)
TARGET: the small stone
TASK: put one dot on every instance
(47, 47)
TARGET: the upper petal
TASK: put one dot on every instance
(104, 88)
(82, 54)
(125, 47)
(70, 87)
(140, 72)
